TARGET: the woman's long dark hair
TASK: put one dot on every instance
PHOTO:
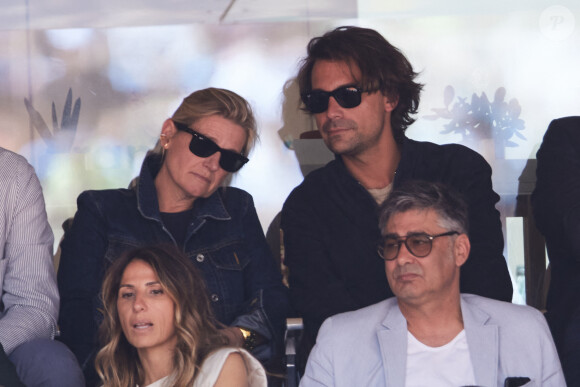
(117, 362)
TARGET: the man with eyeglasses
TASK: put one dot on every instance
(362, 93)
(430, 333)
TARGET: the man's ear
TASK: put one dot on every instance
(461, 249)
(391, 102)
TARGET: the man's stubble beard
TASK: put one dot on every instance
(357, 145)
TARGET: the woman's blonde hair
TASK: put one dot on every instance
(117, 363)
(216, 102)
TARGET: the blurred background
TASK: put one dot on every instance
(85, 86)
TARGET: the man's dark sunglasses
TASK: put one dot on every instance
(316, 101)
(201, 146)
(419, 245)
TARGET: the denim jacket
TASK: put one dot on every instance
(225, 241)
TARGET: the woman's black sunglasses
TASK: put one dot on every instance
(201, 146)
(348, 96)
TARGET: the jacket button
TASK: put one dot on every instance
(215, 297)
(200, 258)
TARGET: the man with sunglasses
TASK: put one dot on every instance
(430, 333)
(362, 93)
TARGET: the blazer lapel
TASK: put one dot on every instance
(482, 339)
(393, 345)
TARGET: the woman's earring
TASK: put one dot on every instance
(164, 137)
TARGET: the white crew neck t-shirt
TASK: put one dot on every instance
(445, 366)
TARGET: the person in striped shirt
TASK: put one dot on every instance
(29, 303)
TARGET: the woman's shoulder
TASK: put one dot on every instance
(233, 193)
(108, 193)
(220, 360)
(235, 200)
(106, 196)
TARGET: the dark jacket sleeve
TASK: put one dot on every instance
(556, 198)
(330, 228)
(268, 305)
(556, 207)
(485, 273)
(318, 290)
(80, 276)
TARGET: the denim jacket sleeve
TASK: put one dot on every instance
(266, 305)
(80, 276)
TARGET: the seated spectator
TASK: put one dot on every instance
(362, 93)
(430, 334)
(158, 327)
(29, 303)
(181, 198)
(556, 206)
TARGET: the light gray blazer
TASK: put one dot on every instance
(368, 347)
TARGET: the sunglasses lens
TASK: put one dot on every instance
(202, 146)
(419, 245)
(347, 97)
(390, 248)
(316, 101)
(231, 161)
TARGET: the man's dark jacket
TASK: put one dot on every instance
(330, 225)
(556, 205)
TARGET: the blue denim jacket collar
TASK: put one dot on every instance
(211, 207)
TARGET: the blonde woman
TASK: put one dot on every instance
(181, 198)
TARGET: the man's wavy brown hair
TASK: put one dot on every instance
(383, 67)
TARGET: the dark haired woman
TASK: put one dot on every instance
(157, 329)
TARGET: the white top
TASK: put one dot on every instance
(448, 365)
(380, 194)
(212, 367)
